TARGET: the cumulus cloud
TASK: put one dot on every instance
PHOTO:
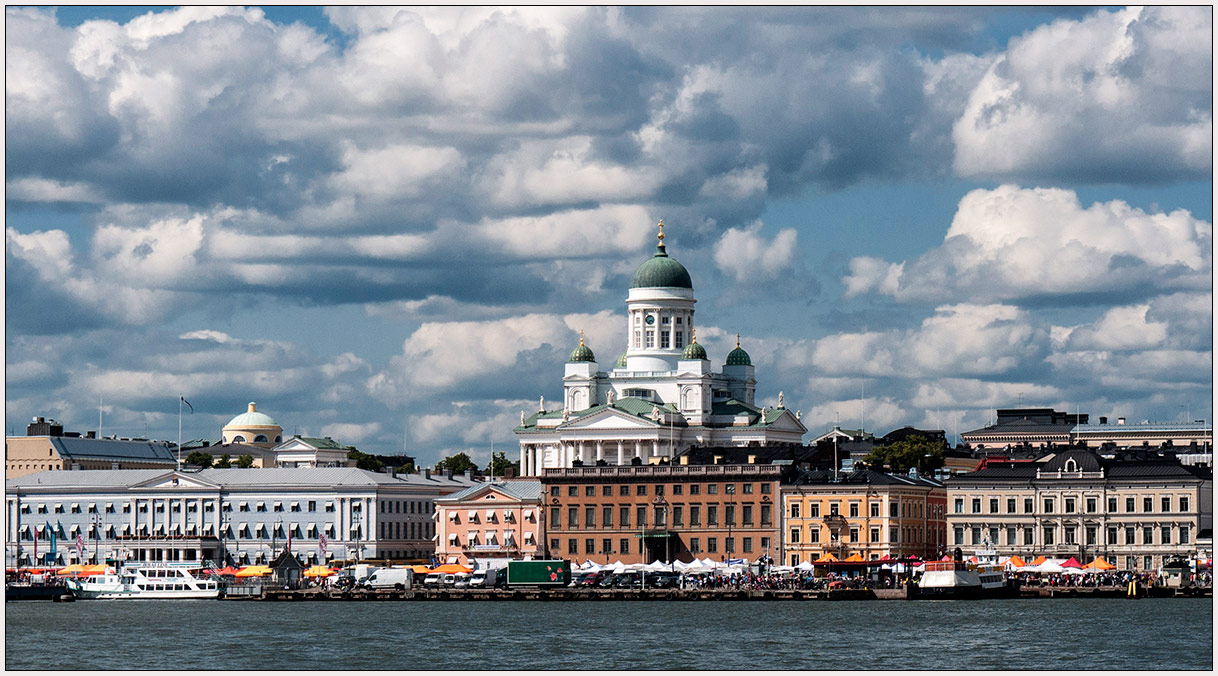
(1128, 92)
(1013, 243)
(747, 256)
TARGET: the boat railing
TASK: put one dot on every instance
(940, 566)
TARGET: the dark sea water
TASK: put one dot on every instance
(1015, 634)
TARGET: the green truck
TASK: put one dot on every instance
(552, 573)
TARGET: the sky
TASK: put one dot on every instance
(389, 226)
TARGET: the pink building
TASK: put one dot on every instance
(487, 524)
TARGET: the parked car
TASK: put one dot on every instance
(461, 580)
(662, 580)
(632, 580)
(433, 580)
(450, 579)
(592, 579)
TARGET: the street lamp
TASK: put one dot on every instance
(97, 521)
(275, 536)
(662, 504)
(730, 489)
(355, 521)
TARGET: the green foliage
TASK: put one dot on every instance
(406, 469)
(900, 456)
(499, 465)
(245, 462)
(365, 461)
(199, 458)
(224, 462)
(457, 463)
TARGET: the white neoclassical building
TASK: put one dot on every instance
(663, 394)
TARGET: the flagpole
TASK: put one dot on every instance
(180, 400)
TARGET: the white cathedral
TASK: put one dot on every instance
(661, 397)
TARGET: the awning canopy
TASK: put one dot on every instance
(472, 514)
(1100, 564)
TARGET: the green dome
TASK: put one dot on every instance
(581, 353)
(694, 351)
(660, 270)
(621, 361)
(738, 357)
(252, 418)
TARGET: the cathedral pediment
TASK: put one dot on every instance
(609, 418)
(174, 480)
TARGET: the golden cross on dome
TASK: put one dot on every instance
(737, 340)
(581, 337)
(661, 231)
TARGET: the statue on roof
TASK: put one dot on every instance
(541, 405)
(521, 417)
(609, 396)
(780, 399)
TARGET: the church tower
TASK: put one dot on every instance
(659, 312)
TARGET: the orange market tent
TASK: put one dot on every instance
(319, 571)
(254, 571)
(452, 568)
(227, 570)
(854, 558)
(1038, 560)
(72, 569)
(826, 558)
(97, 569)
(420, 570)
(1016, 562)
(1100, 564)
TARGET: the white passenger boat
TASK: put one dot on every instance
(960, 579)
(148, 581)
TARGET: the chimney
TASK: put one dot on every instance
(1121, 420)
(469, 474)
(427, 473)
(448, 473)
(509, 473)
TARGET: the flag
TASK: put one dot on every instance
(192, 408)
(289, 539)
(321, 546)
(80, 547)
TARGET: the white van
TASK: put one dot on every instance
(484, 578)
(433, 580)
(390, 578)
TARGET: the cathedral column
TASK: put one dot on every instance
(638, 450)
(621, 453)
(524, 465)
(600, 450)
(655, 449)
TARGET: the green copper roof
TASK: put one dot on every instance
(621, 361)
(581, 353)
(694, 351)
(738, 357)
(660, 270)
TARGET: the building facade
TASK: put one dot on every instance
(489, 523)
(864, 512)
(46, 448)
(225, 515)
(1136, 514)
(1032, 426)
(645, 513)
(301, 451)
(661, 396)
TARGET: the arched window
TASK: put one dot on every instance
(278, 438)
(238, 439)
(1071, 466)
(260, 439)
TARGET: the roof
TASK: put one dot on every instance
(81, 448)
(324, 443)
(522, 489)
(631, 405)
(252, 418)
(1145, 427)
(1087, 461)
(661, 271)
(253, 477)
(803, 477)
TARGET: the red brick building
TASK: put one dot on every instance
(641, 513)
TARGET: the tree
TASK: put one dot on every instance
(457, 463)
(199, 458)
(224, 462)
(365, 461)
(245, 462)
(406, 469)
(912, 451)
(499, 465)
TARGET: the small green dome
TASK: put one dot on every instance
(581, 353)
(738, 357)
(621, 361)
(252, 418)
(694, 351)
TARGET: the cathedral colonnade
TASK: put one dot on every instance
(611, 451)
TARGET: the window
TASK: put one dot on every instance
(623, 490)
(729, 544)
(765, 542)
(712, 515)
(993, 505)
(1184, 533)
(1129, 504)
(678, 516)
(590, 491)
(766, 519)
(695, 489)
(1148, 504)
(875, 534)
(1010, 505)
(607, 517)
(659, 516)
(729, 515)
(607, 490)
(572, 546)
(854, 509)
(1091, 503)
(957, 534)
(1112, 535)
(1069, 533)
(976, 536)
(1183, 503)
(748, 545)
(794, 510)
(640, 516)
(1166, 503)
(572, 491)
(624, 513)
(1091, 531)
(814, 510)
(959, 506)
(746, 515)
(712, 545)
(1010, 537)
(1148, 562)
(679, 338)
(814, 534)
(555, 519)
(712, 489)
(765, 489)
(640, 490)
(589, 517)
(854, 535)
(875, 510)
(1130, 535)
(1069, 505)
(1148, 536)
(1027, 505)
(589, 546)
(651, 338)
(664, 338)
(695, 545)
(1027, 537)
(623, 546)
(678, 489)
(1049, 535)
(746, 489)
(554, 491)
(795, 535)
(312, 505)
(695, 515)
(1165, 535)
(572, 517)
(833, 508)
(976, 506)
(1112, 505)
(1049, 506)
